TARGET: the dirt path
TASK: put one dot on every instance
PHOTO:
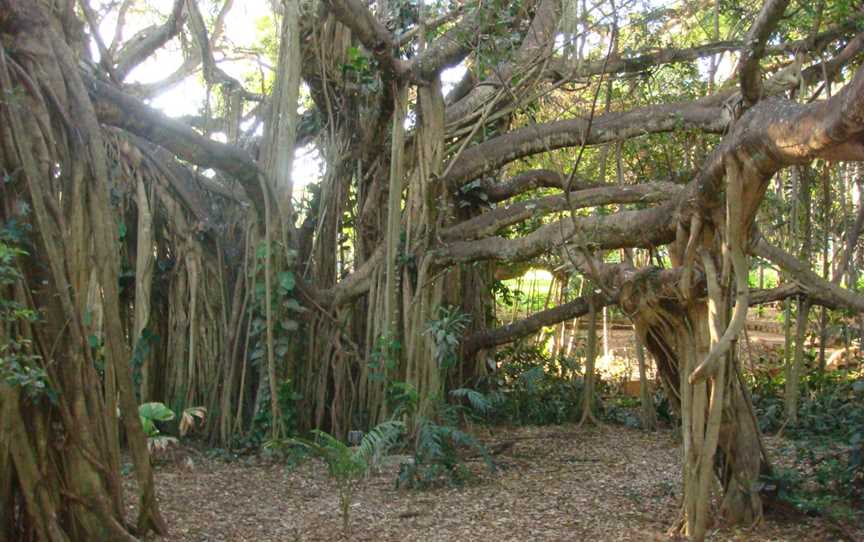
(555, 483)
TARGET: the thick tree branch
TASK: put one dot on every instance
(116, 108)
(506, 215)
(528, 326)
(645, 228)
(566, 69)
(490, 338)
(118, 28)
(821, 290)
(778, 133)
(370, 31)
(452, 47)
(213, 74)
(525, 181)
(754, 48)
(147, 41)
(494, 153)
(536, 45)
(354, 284)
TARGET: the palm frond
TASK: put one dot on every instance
(378, 441)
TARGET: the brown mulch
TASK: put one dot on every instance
(555, 483)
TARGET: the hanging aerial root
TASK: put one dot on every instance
(735, 240)
(690, 255)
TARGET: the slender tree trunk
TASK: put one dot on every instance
(826, 262)
(590, 360)
(648, 414)
(795, 365)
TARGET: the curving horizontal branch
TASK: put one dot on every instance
(527, 180)
(561, 69)
(506, 215)
(708, 115)
(528, 326)
(625, 229)
(534, 139)
(822, 291)
(490, 338)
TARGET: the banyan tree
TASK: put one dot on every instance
(156, 258)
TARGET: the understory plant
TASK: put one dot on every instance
(436, 439)
(533, 388)
(435, 435)
(348, 466)
(150, 413)
(20, 365)
(827, 442)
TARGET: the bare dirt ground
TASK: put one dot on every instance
(554, 483)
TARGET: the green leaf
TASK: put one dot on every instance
(155, 411)
(293, 305)
(261, 251)
(149, 427)
(286, 281)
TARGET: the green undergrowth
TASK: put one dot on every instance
(822, 456)
(533, 388)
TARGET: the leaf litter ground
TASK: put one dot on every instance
(553, 483)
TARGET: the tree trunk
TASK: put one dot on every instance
(647, 412)
(716, 415)
(795, 362)
(590, 359)
(71, 491)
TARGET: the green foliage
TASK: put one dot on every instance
(479, 402)
(150, 413)
(437, 438)
(472, 195)
(536, 389)
(384, 358)
(348, 466)
(623, 410)
(509, 293)
(828, 440)
(139, 354)
(262, 422)
(284, 311)
(446, 332)
(20, 366)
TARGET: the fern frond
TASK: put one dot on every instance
(477, 400)
(430, 443)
